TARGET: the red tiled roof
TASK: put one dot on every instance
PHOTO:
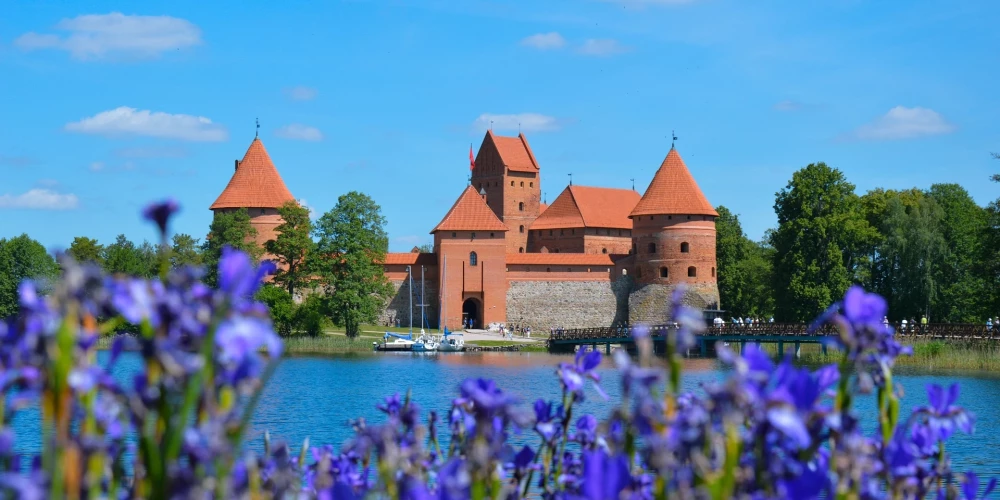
(542, 207)
(256, 183)
(585, 206)
(470, 213)
(673, 191)
(515, 152)
(564, 259)
(411, 258)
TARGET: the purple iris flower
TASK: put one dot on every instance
(240, 337)
(586, 430)
(943, 417)
(238, 277)
(790, 423)
(573, 375)
(864, 309)
(970, 488)
(690, 321)
(604, 477)
(485, 395)
(545, 423)
(160, 213)
(136, 300)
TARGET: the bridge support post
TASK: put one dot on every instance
(781, 349)
(798, 350)
(607, 348)
(822, 346)
(743, 346)
(703, 347)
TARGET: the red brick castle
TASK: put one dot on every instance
(594, 257)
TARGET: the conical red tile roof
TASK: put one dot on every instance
(673, 191)
(470, 213)
(256, 183)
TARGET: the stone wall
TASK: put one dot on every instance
(397, 305)
(650, 303)
(570, 304)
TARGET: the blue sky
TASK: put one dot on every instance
(106, 108)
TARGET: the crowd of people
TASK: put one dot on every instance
(740, 321)
(509, 331)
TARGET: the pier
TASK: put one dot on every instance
(783, 334)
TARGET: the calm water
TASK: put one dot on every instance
(316, 397)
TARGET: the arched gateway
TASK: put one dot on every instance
(471, 313)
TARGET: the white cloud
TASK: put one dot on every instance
(904, 123)
(130, 121)
(544, 41)
(526, 122)
(788, 105)
(299, 132)
(98, 36)
(305, 204)
(40, 199)
(301, 93)
(602, 47)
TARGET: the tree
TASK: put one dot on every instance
(820, 244)
(185, 251)
(350, 251)
(960, 274)
(231, 228)
(425, 248)
(84, 249)
(23, 258)
(281, 306)
(125, 257)
(744, 269)
(291, 246)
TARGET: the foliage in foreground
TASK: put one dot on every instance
(767, 431)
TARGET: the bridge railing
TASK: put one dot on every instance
(968, 331)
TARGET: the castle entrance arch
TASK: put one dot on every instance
(472, 313)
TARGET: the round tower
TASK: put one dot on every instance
(673, 243)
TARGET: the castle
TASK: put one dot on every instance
(593, 257)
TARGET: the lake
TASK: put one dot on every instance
(317, 397)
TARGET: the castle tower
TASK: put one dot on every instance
(471, 253)
(257, 187)
(507, 170)
(673, 238)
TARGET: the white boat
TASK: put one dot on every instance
(425, 344)
(452, 342)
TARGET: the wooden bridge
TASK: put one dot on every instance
(795, 334)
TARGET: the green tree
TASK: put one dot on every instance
(425, 248)
(231, 228)
(84, 249)
(125, 257)
(990, 254)
(351, 248)
(820, 245)
(185, 251)
(281, 306)
(960, 274)
(744, 269)
(291, 247)
(23, 258)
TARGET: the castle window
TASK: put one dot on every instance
(569, 269)
(473, 258)
(670, 217)
(604, 250)
(664, 273)
(692, 272)
(652, 248)
(561, 232)
(520, 250)
(491, 235)
(624, 272)
(522, 183)
(689, 217)
(619, 232)
(531, 184)
(511, 183)
(473, 235)
(684, 247)
(713, 272)
(550, 232)
(572, 231)
(454, 234)
(520, 228)
(520, 206)
(548, 269)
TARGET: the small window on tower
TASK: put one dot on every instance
(473, 235)
(652, 248)
(454, 235)
(692, 272)
(473, 258)
(664, 273)
(604, 250)
(522, 183)
(684, 247)
(531, 184)
(520, 228)
(511, 183)
(520, 250)
(520, 206)
(713, 272)
(550, 232)
(491, 235)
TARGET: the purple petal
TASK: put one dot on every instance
(789, 423)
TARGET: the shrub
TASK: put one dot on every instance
(309, 316)
(281, 306)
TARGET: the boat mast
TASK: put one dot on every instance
(423, 299)
(444, 298)
(410, 276)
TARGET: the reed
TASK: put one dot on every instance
(928, 356)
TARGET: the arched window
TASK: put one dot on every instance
(652, 248)
(604, 250)
(664, 273)
(520, 206)
(684, 247)
(548, 269)
(520, 228)
(473, 235)
(692, 272)
(473, 259)
(520, 250)
(531, 184)
(713, 272)
(522, 183)
(511, 183)
(454, 234)
(491, 235)
(624, 272)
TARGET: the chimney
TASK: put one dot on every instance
(482, 192)
(236, 166)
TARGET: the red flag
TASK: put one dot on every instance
(472, 159)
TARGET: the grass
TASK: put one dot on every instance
(524, 346)
(928, 356)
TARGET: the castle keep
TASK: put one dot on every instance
(594, 257)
